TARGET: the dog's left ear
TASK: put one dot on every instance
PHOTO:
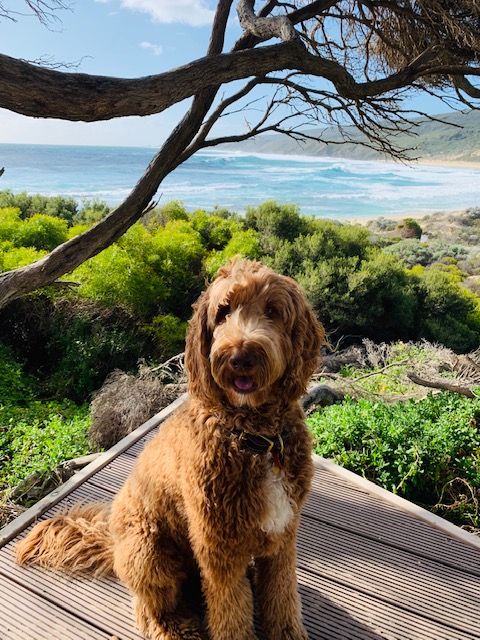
(307, 337)
(197, 350)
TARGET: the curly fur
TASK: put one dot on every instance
(198, 503)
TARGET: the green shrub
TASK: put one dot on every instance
(15, 386)
(39, 437)
(41, 232)
(413, 252)
(56, 206)
(10, 222)
(13, 257)
(280, 220)
(123, 275)
(168, 334)
(446, 309)
(243, 243)
(92, 211)
(412, 448)
(215, 231)
(84, 344)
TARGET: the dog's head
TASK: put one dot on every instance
(253, 338)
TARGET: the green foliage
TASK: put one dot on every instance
(41, 231)
(122, 275)
(412, 448)
(370, 297)
(13, 257)
(412, 252)
(56, 206)
(215, 231)
(173, 210)
(92, 211)
(15, 386)
(283, 221)
(39, 437)
(177, 262)
(446, 309)
(409, 228)
(10, 221)
(168, 333)
(243, 243)
(84, 344)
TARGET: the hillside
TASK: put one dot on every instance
(431, 141)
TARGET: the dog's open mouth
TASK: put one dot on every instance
(243, 384)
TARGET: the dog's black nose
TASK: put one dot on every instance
(241, 361)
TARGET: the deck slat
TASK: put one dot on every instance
(348, 507)
(26, 615)
(336, 612)
(424, 588)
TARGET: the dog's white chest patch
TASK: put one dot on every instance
(279, 511)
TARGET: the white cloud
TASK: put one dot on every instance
(192, 12)
(156, 49)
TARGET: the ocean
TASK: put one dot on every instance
(335, 188)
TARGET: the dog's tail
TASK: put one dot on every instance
(78, 541)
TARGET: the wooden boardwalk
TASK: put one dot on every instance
(370, 566)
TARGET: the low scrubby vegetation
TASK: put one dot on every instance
(386, 282)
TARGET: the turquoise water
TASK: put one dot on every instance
(323, 187)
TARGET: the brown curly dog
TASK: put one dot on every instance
(224, 480)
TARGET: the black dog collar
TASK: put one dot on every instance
(259, 444)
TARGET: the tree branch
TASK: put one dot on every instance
(82, 97)
(75, 251)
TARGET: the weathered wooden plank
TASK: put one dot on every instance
(346, 506)
(25, 615)
(402, 505)
(333, 611)
(422, 587)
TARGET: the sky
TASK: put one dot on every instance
(124, 38)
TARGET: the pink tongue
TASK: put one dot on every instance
(243, 383)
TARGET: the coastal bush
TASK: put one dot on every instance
(12, 257)
(412, 252)
(409, 228)
(92, 211)
(215, 231)
(244, 243)
(177, 259)
(282, 221)
(123, 275)
(57, 206)
(414, 448)
(371, 297)
(39, 437)
(167, 333)
(84, 344)
(43, 232)
(15, 386)
(10, 221)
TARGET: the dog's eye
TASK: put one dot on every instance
(222, 313)
(271, 311)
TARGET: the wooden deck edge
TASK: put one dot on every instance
(33, 513)
(446, 527)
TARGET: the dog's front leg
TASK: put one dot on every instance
(229, 599)
(277, 592)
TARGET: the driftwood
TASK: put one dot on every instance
(39, 483)
(441, 384)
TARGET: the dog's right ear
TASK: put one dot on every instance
(197, 350)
